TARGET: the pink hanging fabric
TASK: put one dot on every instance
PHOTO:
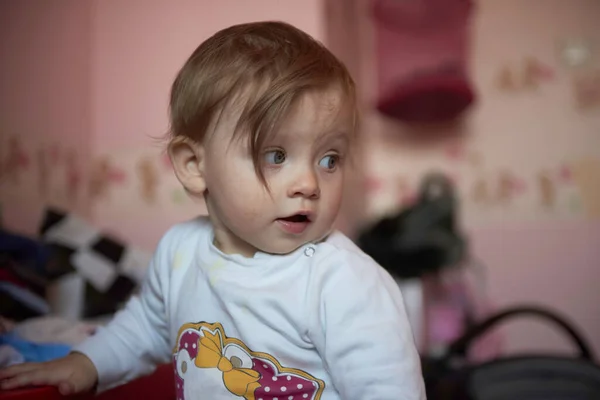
(422, 52)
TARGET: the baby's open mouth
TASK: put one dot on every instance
(296, 218)
(294, 224)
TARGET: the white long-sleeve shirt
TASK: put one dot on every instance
(324, 322)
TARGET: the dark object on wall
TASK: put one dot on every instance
(422, 54)
(422, 238)
(522, 377)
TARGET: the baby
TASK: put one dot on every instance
(262, 299)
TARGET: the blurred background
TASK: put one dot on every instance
(501, 98)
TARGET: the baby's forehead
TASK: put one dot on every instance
(331, 100)
(311, 138)
(319, 113)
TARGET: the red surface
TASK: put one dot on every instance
(158, 386)
(45, 393)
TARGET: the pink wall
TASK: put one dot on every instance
(534, 253)
(44, 98)
(138, 46)
(546, 257)
(555, 264)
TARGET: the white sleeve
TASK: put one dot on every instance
(136, 340)
(363, 333)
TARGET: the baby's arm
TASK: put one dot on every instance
(131, 345)
(364, 334)
(136, 340)
(74, 373)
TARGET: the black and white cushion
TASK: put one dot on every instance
(93, 273)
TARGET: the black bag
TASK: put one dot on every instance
(523, 377)
(422, 238)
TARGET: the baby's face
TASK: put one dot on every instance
(304, 162)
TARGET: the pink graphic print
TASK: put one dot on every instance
(245, 374)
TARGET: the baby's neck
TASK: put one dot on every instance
(243, 249)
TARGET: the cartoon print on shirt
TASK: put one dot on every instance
(203, 351)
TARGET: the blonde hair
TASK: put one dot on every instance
(275, 60)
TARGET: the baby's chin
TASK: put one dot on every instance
(287, 246)
(280, 249)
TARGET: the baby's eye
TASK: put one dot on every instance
(275, 157)
(329, 162)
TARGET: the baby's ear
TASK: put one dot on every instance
(187, 157)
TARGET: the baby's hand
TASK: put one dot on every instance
(72, 374)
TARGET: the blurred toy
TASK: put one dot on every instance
(73, 174)
(576, 52)
(16, 160)
(421, 238)
(103, 174)
(586, 88)
(527, 77)
(148, 176)
(586, 176)
(481, 193)
(506, 79)
(43, 171)
(547, 190)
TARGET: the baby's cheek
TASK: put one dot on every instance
(252, 213)
(251, 204)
